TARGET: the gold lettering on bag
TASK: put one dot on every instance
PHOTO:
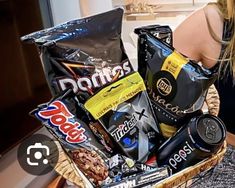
(168, 106)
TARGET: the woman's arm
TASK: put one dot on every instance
(193, 39)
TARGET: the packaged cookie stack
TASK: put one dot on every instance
(110, 121)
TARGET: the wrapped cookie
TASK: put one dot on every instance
(62, 116)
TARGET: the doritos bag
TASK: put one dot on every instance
(83, 54)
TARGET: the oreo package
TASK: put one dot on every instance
(83, 54)
(124, 110)
(176, 85)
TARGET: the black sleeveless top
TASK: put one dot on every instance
(226, 88)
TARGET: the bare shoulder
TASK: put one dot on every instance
(192, 37)
(213, 14)
(190, 34)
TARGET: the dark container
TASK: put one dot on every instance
(201, 137)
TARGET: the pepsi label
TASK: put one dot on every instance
(201, 137)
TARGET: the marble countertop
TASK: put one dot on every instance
(183, 7)
(168, 8)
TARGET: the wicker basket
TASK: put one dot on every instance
(182, 178)
(185, 177)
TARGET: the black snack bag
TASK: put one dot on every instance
(83, 54)
(161, 32)
(176, 85)
(124, 109)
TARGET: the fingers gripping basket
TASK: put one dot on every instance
(180, 179)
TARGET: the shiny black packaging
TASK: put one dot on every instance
(162, 32)
(176, 85)
(124, 110)
(83, 54)
(201, 137)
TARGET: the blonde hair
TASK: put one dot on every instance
(227, 11)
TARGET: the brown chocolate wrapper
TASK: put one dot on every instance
(60, 116)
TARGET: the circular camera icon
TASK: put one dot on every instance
(37, 150)
(38, 154)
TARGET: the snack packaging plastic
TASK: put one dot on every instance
(176, 85)
(162, 32)
(60, 116)
(99, 166)
(83, 54)
(124, 110)
(144, 179)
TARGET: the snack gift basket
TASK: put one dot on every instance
(184, 178)
(105, 116)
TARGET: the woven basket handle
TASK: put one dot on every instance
(213, 101)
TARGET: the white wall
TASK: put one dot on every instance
(65, 10)
(91, 7)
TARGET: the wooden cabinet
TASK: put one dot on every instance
(22, 81)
